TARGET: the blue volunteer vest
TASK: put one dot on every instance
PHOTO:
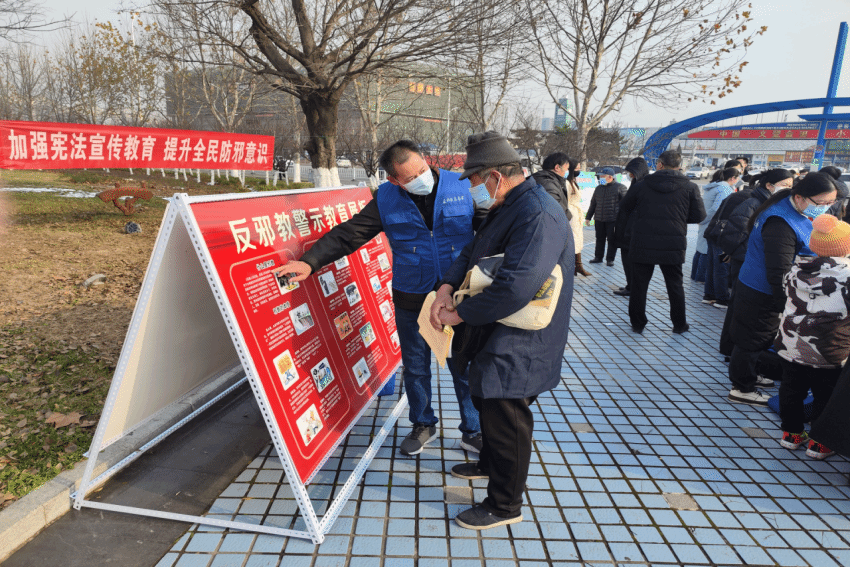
(422, 256)
(753, 272)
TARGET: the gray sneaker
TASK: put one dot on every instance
(417, 439)
(472, 443)
(756, 398)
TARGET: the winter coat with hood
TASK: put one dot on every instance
(814, 328)
(713, 195)
(555, 185)
(734, 239)
(623, 229)
(662, 204)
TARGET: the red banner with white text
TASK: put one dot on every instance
(50, 145)
(322, 348)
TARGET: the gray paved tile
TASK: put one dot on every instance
(638, 429)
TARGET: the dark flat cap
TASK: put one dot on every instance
(486, 150)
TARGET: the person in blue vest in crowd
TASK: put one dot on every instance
(428, 216)
(779, 230)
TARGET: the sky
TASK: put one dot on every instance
(792, 60)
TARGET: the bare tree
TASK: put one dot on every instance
(492, 67)
(602, 53)
(24, 72)
(139, 78)
(19, 18)
(214, 84)
(313, 49)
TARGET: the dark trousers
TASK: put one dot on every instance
(506, 428)
(797, 379)
(641, 276)
(726, 344)
(627, 267)
(605, 231)
(716, 274)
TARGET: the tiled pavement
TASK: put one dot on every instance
(638, 460)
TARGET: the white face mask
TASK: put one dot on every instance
(422, 185)
(482, 196)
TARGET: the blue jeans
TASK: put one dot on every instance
(416, 357)
(698, 267)
(716, 274)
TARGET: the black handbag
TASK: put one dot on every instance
(717, 225)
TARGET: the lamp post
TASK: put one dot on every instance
(449, 128)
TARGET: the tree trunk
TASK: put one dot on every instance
(321, 116)
(581, 141)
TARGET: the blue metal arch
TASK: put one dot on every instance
(659, 141)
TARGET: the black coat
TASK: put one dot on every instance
(734, 239)
(833, 425)
(556, 186)
(663, 205)
(605, 202)
(623, 227)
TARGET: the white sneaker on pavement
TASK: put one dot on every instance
(756, 398)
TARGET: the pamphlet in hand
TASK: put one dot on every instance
(439, 341)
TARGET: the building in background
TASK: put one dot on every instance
(561, 117)
(792, 144)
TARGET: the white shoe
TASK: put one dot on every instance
(756, 398)
(763, 382)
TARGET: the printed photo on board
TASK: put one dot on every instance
(365, 255)
(361, 372)
(284, 285)
(352, 294)
(394, 339)
(328, 283)
(386, 310)
(341, 263)
(301, 318)
(309, 424)
(367, 334)
(376, 283)
(322, 374)
(383, 262)
(343, 325)
(285, 369)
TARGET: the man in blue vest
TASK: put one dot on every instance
(428, 216)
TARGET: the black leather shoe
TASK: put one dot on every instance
(596, 261)
(638, 330)
(610, 263)
(680, 330)
(622, 292)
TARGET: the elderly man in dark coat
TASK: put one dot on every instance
(663, 205)
(509, 366)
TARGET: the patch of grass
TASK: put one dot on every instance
(282, 185)
(48, 208)
(42, 382)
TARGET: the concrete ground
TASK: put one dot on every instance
(638, 459)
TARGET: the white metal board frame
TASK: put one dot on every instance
(179, 223)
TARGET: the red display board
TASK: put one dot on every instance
(322, 347)
(51, 145)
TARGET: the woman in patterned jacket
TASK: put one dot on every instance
(814, 330)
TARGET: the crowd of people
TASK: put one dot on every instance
(780, 254)
(768, 252)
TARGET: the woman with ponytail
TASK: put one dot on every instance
(779, 230)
